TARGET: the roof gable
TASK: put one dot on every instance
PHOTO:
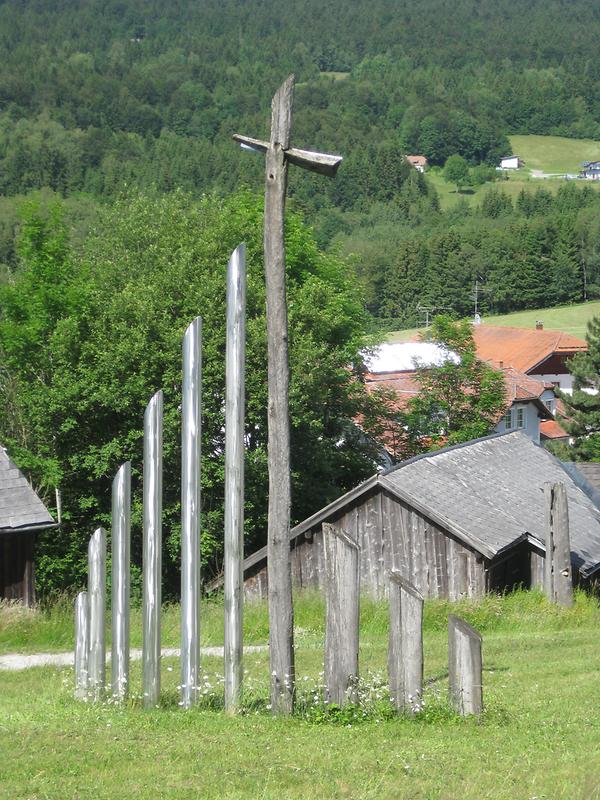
(20, 507)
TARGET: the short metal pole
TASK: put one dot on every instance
(97, 603)
(121, 538)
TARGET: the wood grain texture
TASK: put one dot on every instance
(558, 577)
(405, 646)
(281, 613)
(342, 591)
(465, 668)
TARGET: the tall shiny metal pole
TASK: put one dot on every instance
(97, 602)
(191, 429)
(82, 645)
(121, 547)
(152, 546)
(234, 476)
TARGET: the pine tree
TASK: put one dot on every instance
(582, 409)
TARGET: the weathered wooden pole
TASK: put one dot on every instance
(342, 592)
(405, 649)
(152, 546)
(465, 669)
(558, 575)
(234, 476)
(120, 549)
(191, 435)
(82, 645)
(97, 611)
(281, 614)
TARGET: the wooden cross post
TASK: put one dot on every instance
(278, 155)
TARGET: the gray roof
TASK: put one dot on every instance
(488, 493)
(20, 507)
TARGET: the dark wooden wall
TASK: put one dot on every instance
(16, 567)
(390, 535)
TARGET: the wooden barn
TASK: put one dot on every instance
(456, 522)
(22, 515)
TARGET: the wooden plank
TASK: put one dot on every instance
(405, 647)
(558, 578)
(342, 593)
(281, 610)
(465, 669)
(431, 564)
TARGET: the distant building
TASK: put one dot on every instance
(420, 163)
(590, 171)
(456, 522)
(540, 354)
(511, 162)
(22, 515)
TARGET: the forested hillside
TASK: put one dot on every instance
(95, 97)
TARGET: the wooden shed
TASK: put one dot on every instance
(455, 522)
(22, 515)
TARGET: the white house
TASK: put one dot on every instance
(511, 162)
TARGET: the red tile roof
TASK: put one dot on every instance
(417, 161)
(523, 348)
(551, 429)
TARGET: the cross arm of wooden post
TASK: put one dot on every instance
(323, 163)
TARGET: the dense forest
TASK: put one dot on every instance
(119, 182)
(98, 97)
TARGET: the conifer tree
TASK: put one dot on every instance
(583, 408)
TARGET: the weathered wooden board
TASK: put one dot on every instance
(342, 591)
(465, 669)
(405, 648)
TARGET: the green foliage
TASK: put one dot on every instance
(89, 336)
(456, 170)
(456, 402)
(582, 408)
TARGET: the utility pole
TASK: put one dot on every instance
(281, 615)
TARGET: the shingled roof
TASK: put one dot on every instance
(20, 507)
(488, 493)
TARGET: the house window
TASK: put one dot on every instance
(549, 405)
(520, 417)
(507, 419)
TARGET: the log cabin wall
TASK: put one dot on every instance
(391, 535)
(16, 567)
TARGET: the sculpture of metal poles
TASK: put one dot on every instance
(234, 475)
(82, 645)
(97, 604)
(152, 545)
(121, 547)
(281, 612)
(191, 429)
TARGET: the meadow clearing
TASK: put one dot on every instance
(538, 738)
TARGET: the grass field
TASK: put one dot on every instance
(538, 738)
(554, 153)
(570, 319)
(550, 154)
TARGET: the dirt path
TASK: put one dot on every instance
(17, 661)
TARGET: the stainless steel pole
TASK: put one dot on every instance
(121, 547)
(234, 476)
(152, 545)
(97, 602)
(82, 645)
(191, 430)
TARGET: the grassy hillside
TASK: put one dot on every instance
(554, 153)
(549, 154)
(570, 319)
(539, 736)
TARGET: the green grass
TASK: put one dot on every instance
(539, 736)
(570, 319)
(555, 154)
(550, 154)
